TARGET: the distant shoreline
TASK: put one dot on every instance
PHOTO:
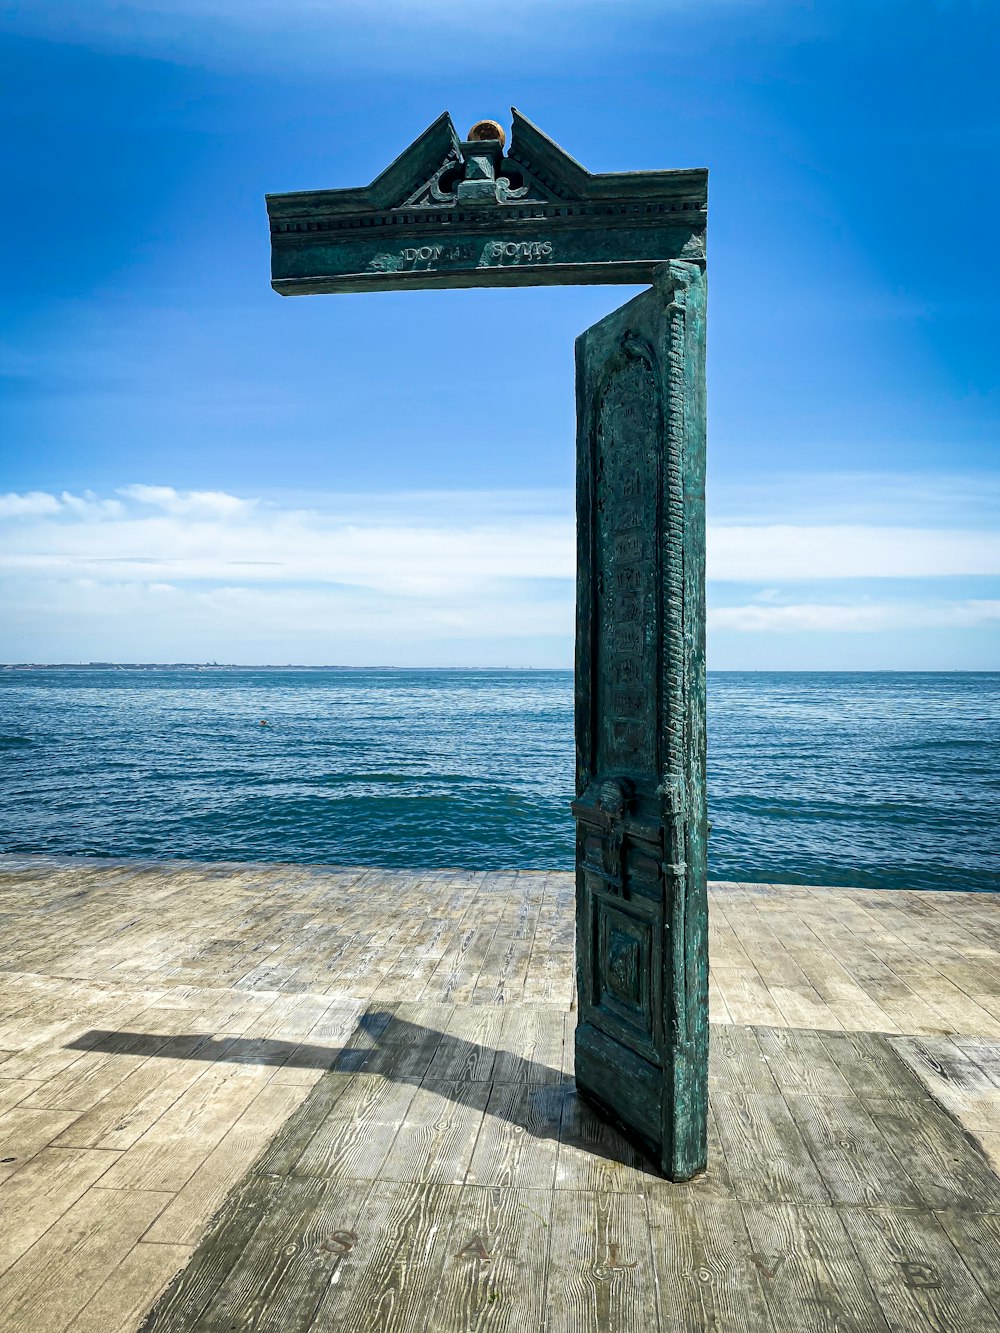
(374, 666)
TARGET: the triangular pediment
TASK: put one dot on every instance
(487, 210)
(533, 169)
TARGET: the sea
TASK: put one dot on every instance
(882, 780)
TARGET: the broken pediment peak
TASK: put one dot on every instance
(475, 170)
(528, 141)
(415, 164)
(439, 170)
(429, 171)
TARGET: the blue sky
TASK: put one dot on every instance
(194, 468)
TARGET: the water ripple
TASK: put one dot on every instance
(882, 780)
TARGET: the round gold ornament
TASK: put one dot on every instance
(487, 129)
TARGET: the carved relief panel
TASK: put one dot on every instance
(642, 978)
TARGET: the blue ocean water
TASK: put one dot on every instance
(881, 780)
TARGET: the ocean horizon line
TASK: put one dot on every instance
(388, 666)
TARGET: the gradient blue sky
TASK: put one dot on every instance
(194, 468)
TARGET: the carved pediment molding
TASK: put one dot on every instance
(516, 183)
(451, 211)
(426, 174)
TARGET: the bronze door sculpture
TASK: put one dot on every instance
(642, 976)
(476, 213)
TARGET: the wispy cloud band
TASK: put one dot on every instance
(208, 571)
(159, 532)
(810, 617)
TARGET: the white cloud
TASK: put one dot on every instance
(85, 620)
(880, 499)
(864, 618)
(420, 547)
(172, 536)
(754, 554)
(207, 503)
(159, 573)
(88, 505)
(34, 502)
(200, 574)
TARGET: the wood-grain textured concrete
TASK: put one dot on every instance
(343, 1099)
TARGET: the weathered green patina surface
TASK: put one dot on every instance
(463, 213)
(642, 956)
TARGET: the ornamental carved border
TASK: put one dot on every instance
(673, 282)
(421, 216)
